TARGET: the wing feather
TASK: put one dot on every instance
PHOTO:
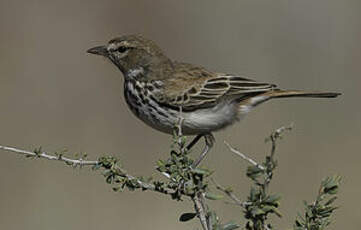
(202, 89)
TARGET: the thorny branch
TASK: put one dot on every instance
(187, 181)
(198, 198)
(74, 162)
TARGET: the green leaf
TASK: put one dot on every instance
(160, 163)
(331, 184)
(187, 216)
(212, 196)
(213, 217)
(109, 179)
(268, 208)
(117, 188)
(228, 189)
(257, 211)
(200, 171)
(254, 172)
(254, 194)
(273, 200)
(278, 213)
(330, 201)
(230, 226)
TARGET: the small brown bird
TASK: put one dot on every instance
(157, 89)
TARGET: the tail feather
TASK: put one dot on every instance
(300, 93)
(278, 93)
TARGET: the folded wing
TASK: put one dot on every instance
(207, 89)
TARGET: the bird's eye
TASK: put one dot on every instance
(122, 49)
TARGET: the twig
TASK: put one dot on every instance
(180, 122)
(230, 194)
(44, 155)
(244, 157)
(200, 209)
(80, 162)
(276, 135)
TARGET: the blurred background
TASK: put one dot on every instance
(53, 94)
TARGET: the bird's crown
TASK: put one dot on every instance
(134, 42)
(132, 52)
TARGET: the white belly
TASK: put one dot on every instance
(195, 122)
(210, 119)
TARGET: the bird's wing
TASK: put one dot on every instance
(195, 88)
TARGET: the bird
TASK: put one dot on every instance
(159, 91)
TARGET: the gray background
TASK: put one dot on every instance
(54, 94)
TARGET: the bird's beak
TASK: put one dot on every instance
(98, 50)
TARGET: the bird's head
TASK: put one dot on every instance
(133, 55)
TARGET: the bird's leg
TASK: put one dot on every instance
(194, 141)
(209, 139)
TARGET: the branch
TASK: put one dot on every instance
(47, 156)
(77, 162)
(183, 179)
(230, 194)
(199, 206)
(277, 134)
(244, 157)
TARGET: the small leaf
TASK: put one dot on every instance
(230, 226)
(109, 179)
(187, 216)
(254, 194)
(212, 196)
(117, 188)
(160, 163)
(257, 211)
(213, 217)
(330, 201)
(228, 190)
(200, 171)
(96, 167)
(331, 184)
(268, 208)
(273, 200)
(254, 172)
(278, 213)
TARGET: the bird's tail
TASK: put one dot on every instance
(278, 93)
(299, 93)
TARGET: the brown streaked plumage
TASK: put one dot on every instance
(156, 89)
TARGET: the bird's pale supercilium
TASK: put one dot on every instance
(157, 88)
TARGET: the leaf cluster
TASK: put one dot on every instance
(115, 174)
(183, 178)
(260, 203)
(317, 214)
